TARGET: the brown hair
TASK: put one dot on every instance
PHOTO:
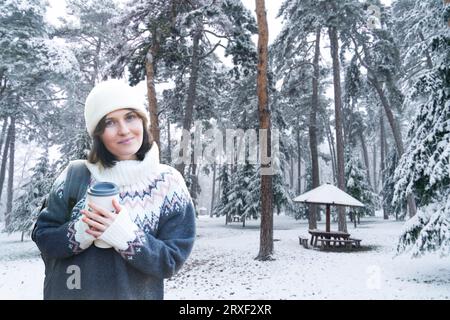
(99, 152)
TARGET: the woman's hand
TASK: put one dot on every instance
(99, 219)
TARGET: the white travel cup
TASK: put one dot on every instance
(102, 194)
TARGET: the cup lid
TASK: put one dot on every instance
(103, 189)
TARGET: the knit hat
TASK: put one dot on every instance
(108, 96)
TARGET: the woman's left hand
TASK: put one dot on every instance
(99, 219)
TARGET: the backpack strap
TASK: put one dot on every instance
(77, 181)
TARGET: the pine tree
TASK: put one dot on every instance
(221, 205)
(31, 197)
(242, 193)
(425, 166)
(32, 67)
(358, 187)
(396, 209)
(281, 196)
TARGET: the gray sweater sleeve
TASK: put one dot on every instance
(56, 234)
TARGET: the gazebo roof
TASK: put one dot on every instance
(328, 194)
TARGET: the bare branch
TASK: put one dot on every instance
(211, 51)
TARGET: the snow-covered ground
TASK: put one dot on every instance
(222, 266)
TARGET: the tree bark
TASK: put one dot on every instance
(3, 81)
(213, 195)
(192, 89)
(219, 188)
(332, 151)
(4, 132)
(194, 188)
(291, 173)
(374, 163)
(313, 129)
(266, 231)
(365, 154)
(389, 114)
(383, 161)
(96, 61)
(446, 3)
(299, 163)
(5, 159)
(396, 133)
(151, 92)
(169, 147)
(10, 195)
(334, 47)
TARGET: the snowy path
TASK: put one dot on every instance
(222, 266)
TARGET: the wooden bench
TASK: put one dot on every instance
(332, 243)
(303, 241)
(356, 242)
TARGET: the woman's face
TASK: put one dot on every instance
(123, 134)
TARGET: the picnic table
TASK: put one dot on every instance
(332, 239)
(236, 218)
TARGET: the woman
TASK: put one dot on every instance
(151, 232)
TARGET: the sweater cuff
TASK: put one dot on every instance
(81, 236)
(121, 231)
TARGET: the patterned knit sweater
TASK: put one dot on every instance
(151, 237)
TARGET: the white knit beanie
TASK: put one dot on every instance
(108, 96)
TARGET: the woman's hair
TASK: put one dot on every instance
(99, 153)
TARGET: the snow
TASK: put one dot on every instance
(222, 266)
(328, 194)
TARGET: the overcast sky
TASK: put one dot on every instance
(57, 9)
(272, 7)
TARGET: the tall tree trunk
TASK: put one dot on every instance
(194, 180)
(192, 89)
(96, 64)
(313, 129)
(446, 3)
(365, 154)
(213, 195)
(151, 92)
(9, 194)
(299, 180)
(291, 173)
(299, 163)
(169, 147)
(219, 188)
(383, 162)
(3, 134)
(396, 133)
(390, 116)
(334, 46)
(5, 159)
(3, 81)
(374, 163)
(266, 231)
(332, 151)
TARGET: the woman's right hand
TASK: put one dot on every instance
(99, 219)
